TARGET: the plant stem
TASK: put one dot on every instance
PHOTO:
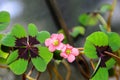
(29, 73)
(102, 20)
(85, 64)
(87, 76)
(110, 15)
(92, 64)
(38, 76)
(116, 72)
(23, 77)
(50, 73)
(114, 56)
(31, 70)
(81, 57)
(60, 19)
(55, 71)
(68, 70)
(81, 49)
(3, 66)
(29, 78)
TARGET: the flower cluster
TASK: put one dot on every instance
(55, 43)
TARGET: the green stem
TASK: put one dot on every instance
(102, 20)
(97, 67)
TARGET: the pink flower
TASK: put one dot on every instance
(69, 52)
(54, 42)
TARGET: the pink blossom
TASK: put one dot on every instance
(69, 52)
(54, 42)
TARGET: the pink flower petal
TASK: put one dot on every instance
(52, 48)
(68, 46)
(54, 42)
(60, 36)
(75, 52)
(71, 58)
(54, 36)
(63, 55)
(60, 47)
(63, 48)
(48, 42)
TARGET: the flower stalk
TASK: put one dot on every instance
(68, 70)
(110, 15)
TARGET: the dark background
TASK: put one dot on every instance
(37, 12)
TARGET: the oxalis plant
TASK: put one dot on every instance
(21, 48)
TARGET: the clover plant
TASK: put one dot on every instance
(4, 22)
(20, 47)
(95, 46)
(26, 47)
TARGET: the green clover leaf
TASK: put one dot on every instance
(78, 30)
(102, 74)
(90, 50)
(114, 41)
(32, 30)
(4, 20)
(88, 19)
(106, 7)
(19, 66)
(12, 57)
(8, 40)
(42, 36)
(45, 54)
(18, 31)
(98, 39)
(39, 64)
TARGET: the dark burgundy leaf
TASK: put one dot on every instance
(23, 53)
(101, 50)
(33, 40)
(21, 42)
(26, 47)
(34, 52)
(102, 55)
